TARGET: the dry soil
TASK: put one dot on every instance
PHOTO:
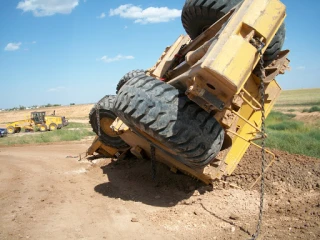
(46, 193)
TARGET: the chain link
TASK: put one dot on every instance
(262, 75)
(153, 161)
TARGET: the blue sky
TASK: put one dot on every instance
(75, 51)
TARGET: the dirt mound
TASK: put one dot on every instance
(292, 170)
(292, 188)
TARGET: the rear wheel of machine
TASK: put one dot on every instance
(106, 118)
(11, 130)
(43, 128)
(158, 109)
(53, 127)
(127, 77)
(198, 15)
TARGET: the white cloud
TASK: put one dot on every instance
(119, 57)
(102, 15)
(57, 89)
(148, 15)
(12, 46)
(301, 68)
(41, 8)
(34, 42)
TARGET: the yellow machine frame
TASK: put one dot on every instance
(218, 75)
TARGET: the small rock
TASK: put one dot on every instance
(185, 202)
(196, 193)
(234, 216)
(233, 229)
(208, 188)
(195, 213)
(134, 220)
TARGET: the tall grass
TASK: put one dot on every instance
(285, 133)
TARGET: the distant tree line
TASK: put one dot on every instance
(31, 107)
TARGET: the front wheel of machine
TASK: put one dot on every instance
(53, 127)
(167, 115)
(43, 128)
(11, 130)
(106, 118)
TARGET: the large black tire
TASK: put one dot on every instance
(159, 109)
(106, 115)
(275, 45)
(127, 77)
(198, 15)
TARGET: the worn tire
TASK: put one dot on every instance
(275, 45)
(43, 128)
(158, 109)
(11, 130)
(106, 113)
(53, 127)
(198, 15)
(127, 77)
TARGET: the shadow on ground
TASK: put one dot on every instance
(131, 180)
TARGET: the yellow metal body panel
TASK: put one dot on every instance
(140, 140)
(247, 132)
(232, 59)
(99, 147)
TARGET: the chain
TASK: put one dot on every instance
(263, 153)
(98, 117)
(153, 161)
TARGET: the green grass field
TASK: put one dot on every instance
(72, 132)
(285, 133)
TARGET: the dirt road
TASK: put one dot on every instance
(46, 193)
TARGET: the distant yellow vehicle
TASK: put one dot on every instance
(38, 120)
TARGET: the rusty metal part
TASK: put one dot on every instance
(278, 66)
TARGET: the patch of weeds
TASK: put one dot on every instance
(287, 134)
(312, 109)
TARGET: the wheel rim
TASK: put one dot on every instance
(42, 128)
(10, 130)
(105, 124)
(52, 128)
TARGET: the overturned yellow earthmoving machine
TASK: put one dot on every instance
(203, 103)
